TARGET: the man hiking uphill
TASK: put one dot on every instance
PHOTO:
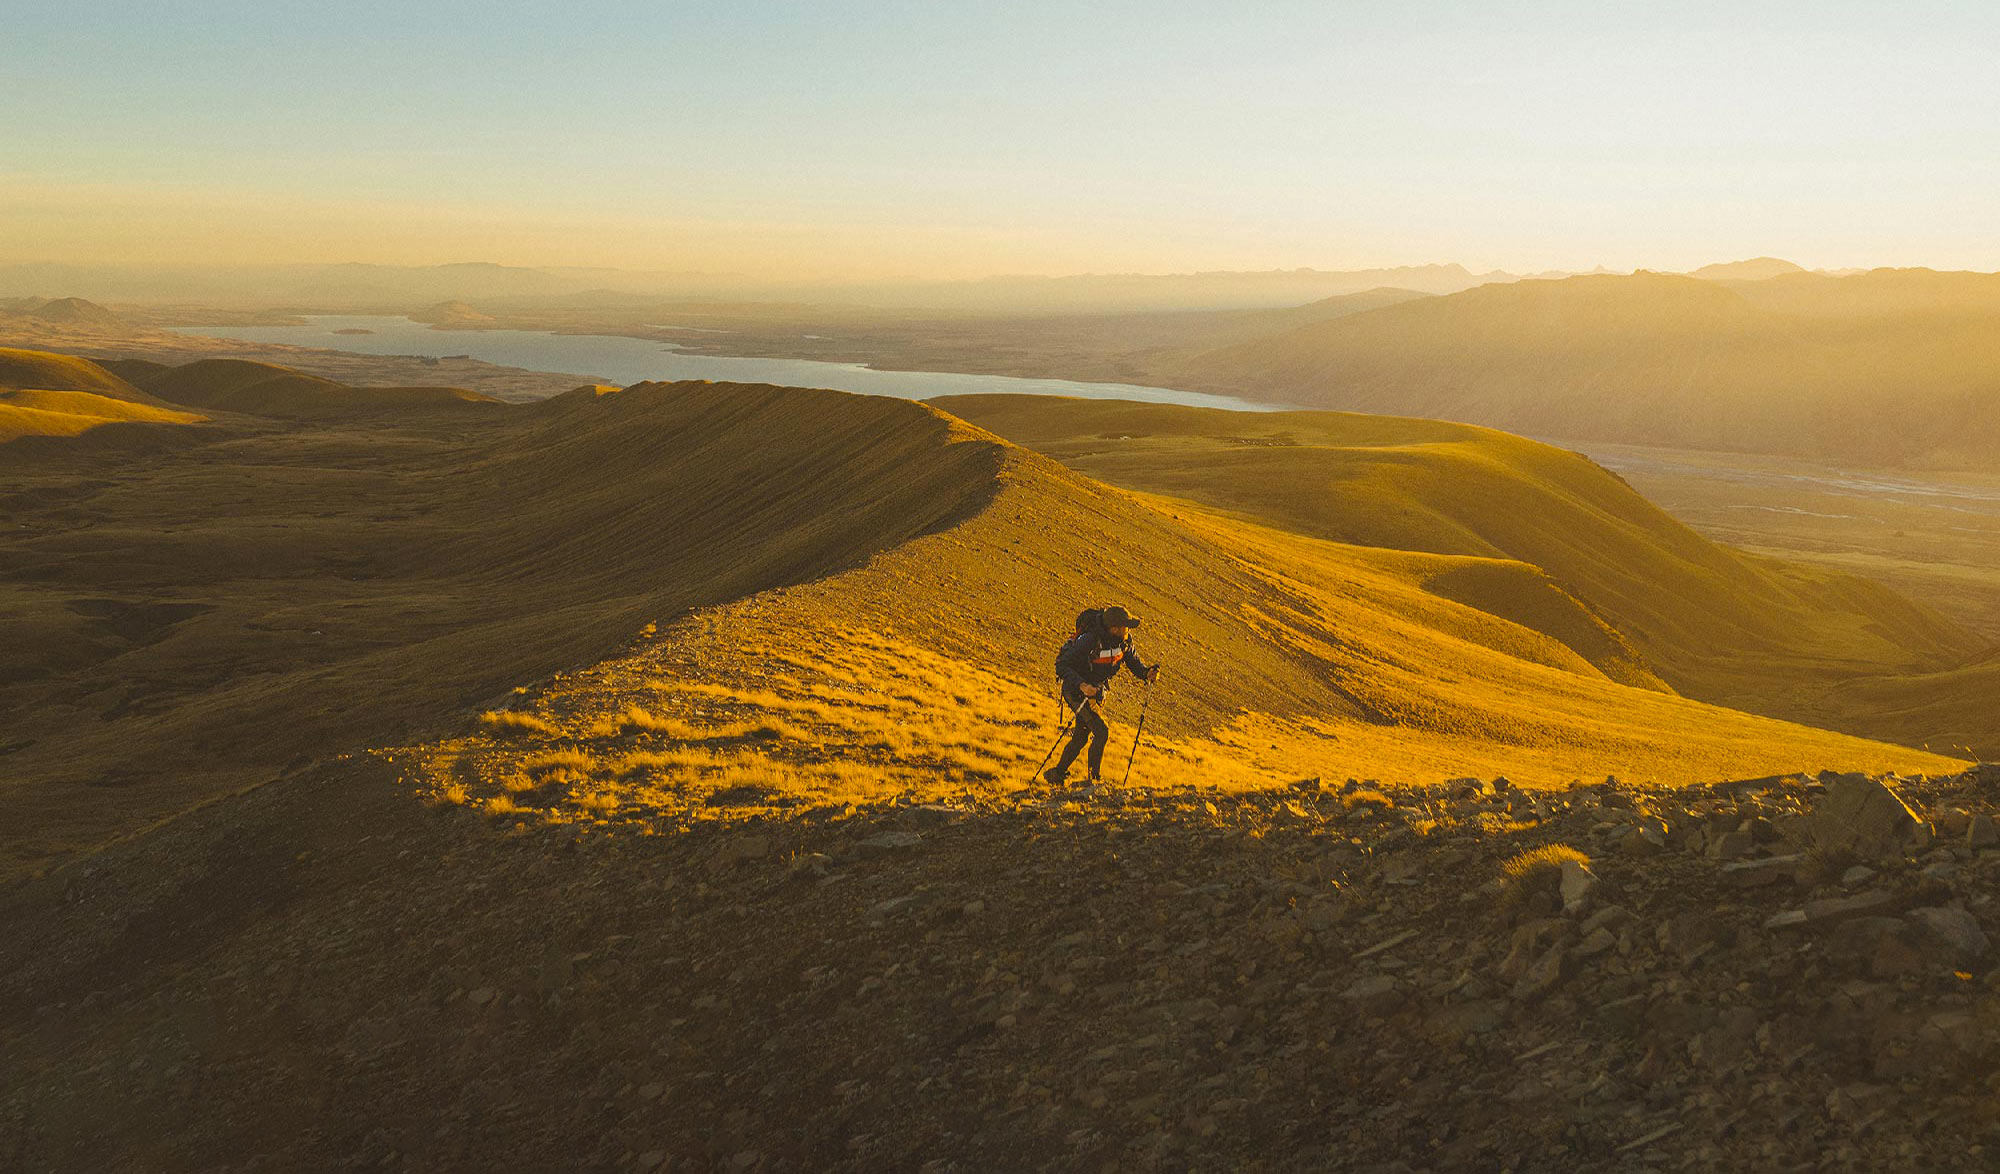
(1093, 656)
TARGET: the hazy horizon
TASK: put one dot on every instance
(863, 142)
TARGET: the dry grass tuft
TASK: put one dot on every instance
(559, 763)
(506, 723)
(757, 774)
(1538, 870)
(501, 807)
(454, 795)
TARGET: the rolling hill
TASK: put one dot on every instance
(45, 395)
(635, 780)
(1550, 525)
(66, 311)
(264, 389)
(301, 582)
(175, 633)
(1841, 369)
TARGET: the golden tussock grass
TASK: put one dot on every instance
(758, 773)
(637, 719)
(506, 723)
(517, 783)
(502, 806)
(554, 760)
(451, 795)
(1537, 870)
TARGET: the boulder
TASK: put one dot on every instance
(1980, 833)
(1648, 838)
(1528, 943)
(1377, 995)
(1545, 973)
(887, 842)
(1955, 928)
(1578, 882)
(1833, 910)
(1750, 874)
(1888, 947)
(1861, 817)
(1731, 845)
(1829, 911)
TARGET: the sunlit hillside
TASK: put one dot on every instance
(454, 548)
(57, 396)
(402, 737)
(925, 673)
(1838, 368)
(1749, 632)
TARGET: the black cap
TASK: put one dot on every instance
(1118, 617)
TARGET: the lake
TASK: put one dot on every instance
(631, 360)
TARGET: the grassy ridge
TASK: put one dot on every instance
(924, 673)
(59, 396)
(298, 584)
(1712, 623)
(283, 590)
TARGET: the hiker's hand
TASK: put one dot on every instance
(1092, 691)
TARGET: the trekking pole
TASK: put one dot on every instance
(1143, 705)
(1067, 721)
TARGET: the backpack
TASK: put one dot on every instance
(1090, 619)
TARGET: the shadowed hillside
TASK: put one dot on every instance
(1836, 368)
(263, 389)
(272, 592)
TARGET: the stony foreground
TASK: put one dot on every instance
(1789, 973)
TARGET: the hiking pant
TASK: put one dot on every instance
(1090, 728)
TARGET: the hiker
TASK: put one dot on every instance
(1102, 643)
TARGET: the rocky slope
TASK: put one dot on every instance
(1787, 973)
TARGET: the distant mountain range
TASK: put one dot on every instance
(1889, 367)
(400, 288)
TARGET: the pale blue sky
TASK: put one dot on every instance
(962, 139)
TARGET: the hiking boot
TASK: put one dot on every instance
(1054, 777)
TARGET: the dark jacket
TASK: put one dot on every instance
(1092, 658)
